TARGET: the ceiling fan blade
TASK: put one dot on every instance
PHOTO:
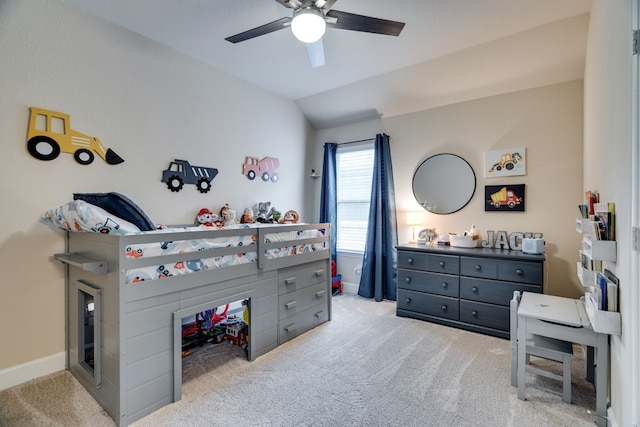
(292, 4)
(325, 4)
(367, 24)
(260, 31)
(316, 53)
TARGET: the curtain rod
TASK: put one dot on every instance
(355, 142)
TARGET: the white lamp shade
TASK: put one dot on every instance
(308, 25)
(414, 218)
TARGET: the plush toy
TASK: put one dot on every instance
(247, 217)
(290, 217)
(228, 215)
(263, 212)
(206, 217)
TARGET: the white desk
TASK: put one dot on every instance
(565, 319)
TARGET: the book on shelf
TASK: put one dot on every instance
(612, 290)
(604, 216)
(590, 197)
(606, 291)
(588, 263)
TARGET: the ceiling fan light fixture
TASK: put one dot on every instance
(308, 24)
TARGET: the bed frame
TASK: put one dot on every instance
(136, 367)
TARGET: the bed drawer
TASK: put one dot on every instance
(491, 316)
(301, 322)
(292, 279)
(434, 305)
(293, 303)
(434, 283)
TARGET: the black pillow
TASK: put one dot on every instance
(119, 205)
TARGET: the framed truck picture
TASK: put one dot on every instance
(504, 198)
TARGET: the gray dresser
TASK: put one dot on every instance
(464, 288)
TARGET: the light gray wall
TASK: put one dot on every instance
(607, 168)
(150, 105)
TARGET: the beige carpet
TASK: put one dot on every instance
(366, 367)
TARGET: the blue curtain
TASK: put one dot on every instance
(328, 195)
(379, 277)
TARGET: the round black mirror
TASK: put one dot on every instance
(444, 183)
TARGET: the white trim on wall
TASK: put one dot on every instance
(634, 340)
(24, 372)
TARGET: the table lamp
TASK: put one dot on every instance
(413, 218)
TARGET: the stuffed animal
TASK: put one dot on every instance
(228, 215)
(263, 212)
(247, 217)
(206, 217)
(290, 217)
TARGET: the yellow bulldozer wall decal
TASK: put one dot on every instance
(50, 134)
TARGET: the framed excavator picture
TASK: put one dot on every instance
(505, 162)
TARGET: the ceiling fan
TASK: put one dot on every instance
(309, 21)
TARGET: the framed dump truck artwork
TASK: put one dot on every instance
(504, 198)
(505, 162)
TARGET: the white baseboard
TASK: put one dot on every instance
(27, 371)
(350, 288)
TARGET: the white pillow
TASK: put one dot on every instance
(82, 216)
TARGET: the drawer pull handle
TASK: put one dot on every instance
(474, 313)
(408, 300)
(444, 285)
(290, 281)
(290, 328)
(444, 308)
(318, 314)
(478, 267)
(290, 304)
(410, 260)
(519, 272)
(319, 273)
(474, 289)
(407, 280)
(442, 264)
(319, 294)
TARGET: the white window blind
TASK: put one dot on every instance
(354, 176)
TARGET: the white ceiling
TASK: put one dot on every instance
(449, 50)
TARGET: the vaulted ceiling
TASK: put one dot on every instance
(449, 50)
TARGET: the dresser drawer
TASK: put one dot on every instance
(413, 260)
(436, 263)
(294, 302)
(434, 305)
(294, 278)
(434, 283)
(488, 315)
(479, 267)
(293, 326)
(520, 271)
(492, 291)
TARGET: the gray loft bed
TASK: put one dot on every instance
(135, 326)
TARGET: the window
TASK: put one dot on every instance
(354, 175)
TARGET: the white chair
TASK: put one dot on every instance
(543, 347)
